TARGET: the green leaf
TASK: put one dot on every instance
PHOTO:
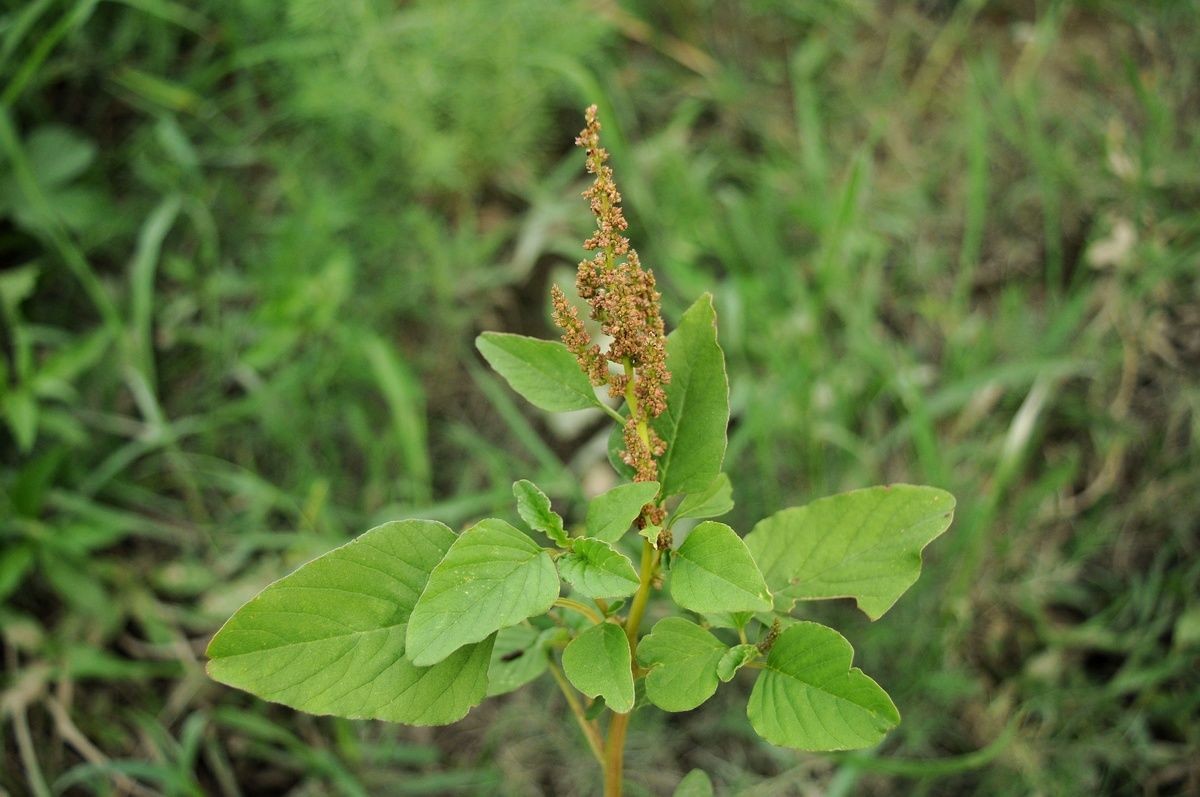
(534, 508)
(713, 572)
(519, 656)
(493, 576)
(809, 698)
(543, 371)
(864, 544)
(651, 534)
(597, 570)
(713, 501)
(683, 658)
(735, 659)
(597, 662)
(611, 514)
(697, 413)
(694, 784)
(329, 638)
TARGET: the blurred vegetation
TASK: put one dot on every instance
(246, 247)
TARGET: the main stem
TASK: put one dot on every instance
(614, 746)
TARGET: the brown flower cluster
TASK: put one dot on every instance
(623, 298)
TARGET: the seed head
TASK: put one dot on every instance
(624, 300)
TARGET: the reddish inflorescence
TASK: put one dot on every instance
(623, 299)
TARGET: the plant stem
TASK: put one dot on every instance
(614, 755)
(614, 747)
(582, 608)
(587, 726)
(616, 416)
(638, 607)
(631, 400)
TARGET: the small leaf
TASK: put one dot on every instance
(598, 663)
(492, 577)
(809, 698)
(611, 514)
(713, 501)
(683, 658)
(534, 508)
(519, 656)
(543, 371)
(597, 570)
(694, 423)
(713, 572)
(651, 534)
(735, 659)
(694, 784)
(329, 638)
(864, 544)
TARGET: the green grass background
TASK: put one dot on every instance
(246, 246)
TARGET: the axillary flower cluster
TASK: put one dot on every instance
(623, 299)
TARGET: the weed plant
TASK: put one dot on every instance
(415, 624)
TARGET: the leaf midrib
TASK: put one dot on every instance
(818, 576)
(297, 643)
(820, 687)
(718, 576)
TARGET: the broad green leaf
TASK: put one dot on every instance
(713, 501)
(329, 638)
(694, 784)
(683, 660)
(492, 577)
(611, 514)
(597, 570)
(713, 572)
(697, 413)
(534, 508)
(598, 663)
(519, 656)
(809, 698)
(543, 371)
(864, 544)
(735, 659)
